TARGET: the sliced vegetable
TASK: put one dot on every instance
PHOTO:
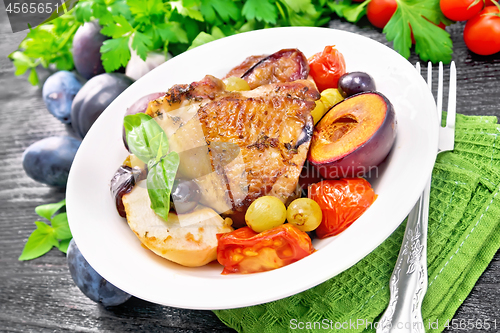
(265, 213)
(342, 202)
(304, 213)
(327, 67)
(245, 251)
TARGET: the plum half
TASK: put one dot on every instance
(354, 137)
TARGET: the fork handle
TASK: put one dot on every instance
(408, 282)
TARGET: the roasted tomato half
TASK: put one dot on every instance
(246, 251)
(342, 202)
(327, 67)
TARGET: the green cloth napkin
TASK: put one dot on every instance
(463, 237)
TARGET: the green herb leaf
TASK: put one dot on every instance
(261, 10)
(47, 211)
(432, 42)
(115, 53)
(226, 9)
(33, 78)
(63, 245)
(141, 43)
(117, 29)
(83, 11)
(355, 13)
(39, 242)
(144, 136)
(61, 226)
(173, 32)
(190, 11)
(160, 180)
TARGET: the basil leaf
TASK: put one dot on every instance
(48, 210)
(145, 137)
(63, 245)
(39, 242)
(160, 180)
(61, 226)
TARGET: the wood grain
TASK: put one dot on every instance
(39, 295)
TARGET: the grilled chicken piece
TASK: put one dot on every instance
(286, 65)
(239, 146)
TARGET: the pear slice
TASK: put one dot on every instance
(187, 239)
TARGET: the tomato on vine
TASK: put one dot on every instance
(460, 10)
(482, 32)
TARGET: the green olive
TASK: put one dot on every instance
(265, 213)
(305, 214)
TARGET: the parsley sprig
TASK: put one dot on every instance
(176, 26)
(46, 236)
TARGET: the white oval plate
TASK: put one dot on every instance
(115, 252)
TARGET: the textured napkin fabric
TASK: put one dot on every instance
(463, 237)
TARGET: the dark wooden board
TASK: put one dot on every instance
(39, 295)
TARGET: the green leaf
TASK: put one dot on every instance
(47, 211)
(144, 136)
(101, 12)
(432, 42)
(63, 245)
(39, 242)
(173, 32)
(160, 181)
(201, 39)
(115, 53)
(118, 29)
(61, 226)
(226, 9)
(191, 12)
(261, 10)
(355, 13)
(142, 44)
(83, 11)
(33, 78)
(22, 62)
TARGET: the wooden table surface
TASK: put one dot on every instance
(39, 295)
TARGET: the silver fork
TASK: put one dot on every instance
(408, 283)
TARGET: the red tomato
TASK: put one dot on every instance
(245, 251)
(342, 202)
(327, 67)
(379, 12)
(482, 32)
(460, 10)
(488, 3)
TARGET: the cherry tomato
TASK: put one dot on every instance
(482, 32)
(379, 12)
(342, 202)
(460, 10)
(245, 251)
(488, 3)
(326, 67)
